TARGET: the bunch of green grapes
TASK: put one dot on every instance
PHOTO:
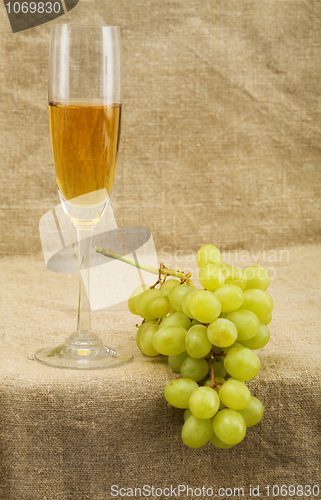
(209, 336)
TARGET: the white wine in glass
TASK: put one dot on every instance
(85, 120)
(92, 132)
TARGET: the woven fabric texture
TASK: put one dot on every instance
(220, 143)
(221, 122)
(72, 435)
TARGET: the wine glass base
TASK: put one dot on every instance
(83, 358)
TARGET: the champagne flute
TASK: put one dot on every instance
(85, 116)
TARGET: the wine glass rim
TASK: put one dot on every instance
(84, 26)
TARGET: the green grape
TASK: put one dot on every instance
(217, 349)
(223, 315)
(169, 284)
(140, 330)
(197, 343)
(229, 426)
(218, 380)
(220, 444)
(222, 332)
(204, 402)
(208, 254)
(226, 268)
(211, 277)
(187, 414)
(138, 334)
(195, 369)
(178, 391)
(236, 344)
(257, 301)
(143, 302)
(267, 320)
(259, 340)
(234, 394)
(176, 319)
(195, 322)
(222, 405)
(158, 307)
(246, 322)
(219, 369)
(146, 340)
(175, 362)
(242, 363)
(185, 303)
(234, 276)
(204, 306)
(165, 293)
(170, 340)
(257, 277)
(230, 296)
(134, 296)
(176, 295)
(253, 413)
(196, 432)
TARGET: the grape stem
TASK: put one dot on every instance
(137, 326)
(163, 270)
(221, 353)
(212, 355)
(160, 281)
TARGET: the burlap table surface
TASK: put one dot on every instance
(72, 435)
(221, 122)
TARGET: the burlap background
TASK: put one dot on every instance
(221, 128)
(220, 143)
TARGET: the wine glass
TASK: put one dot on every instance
(85, 116)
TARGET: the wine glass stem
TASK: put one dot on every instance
(84, 313)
